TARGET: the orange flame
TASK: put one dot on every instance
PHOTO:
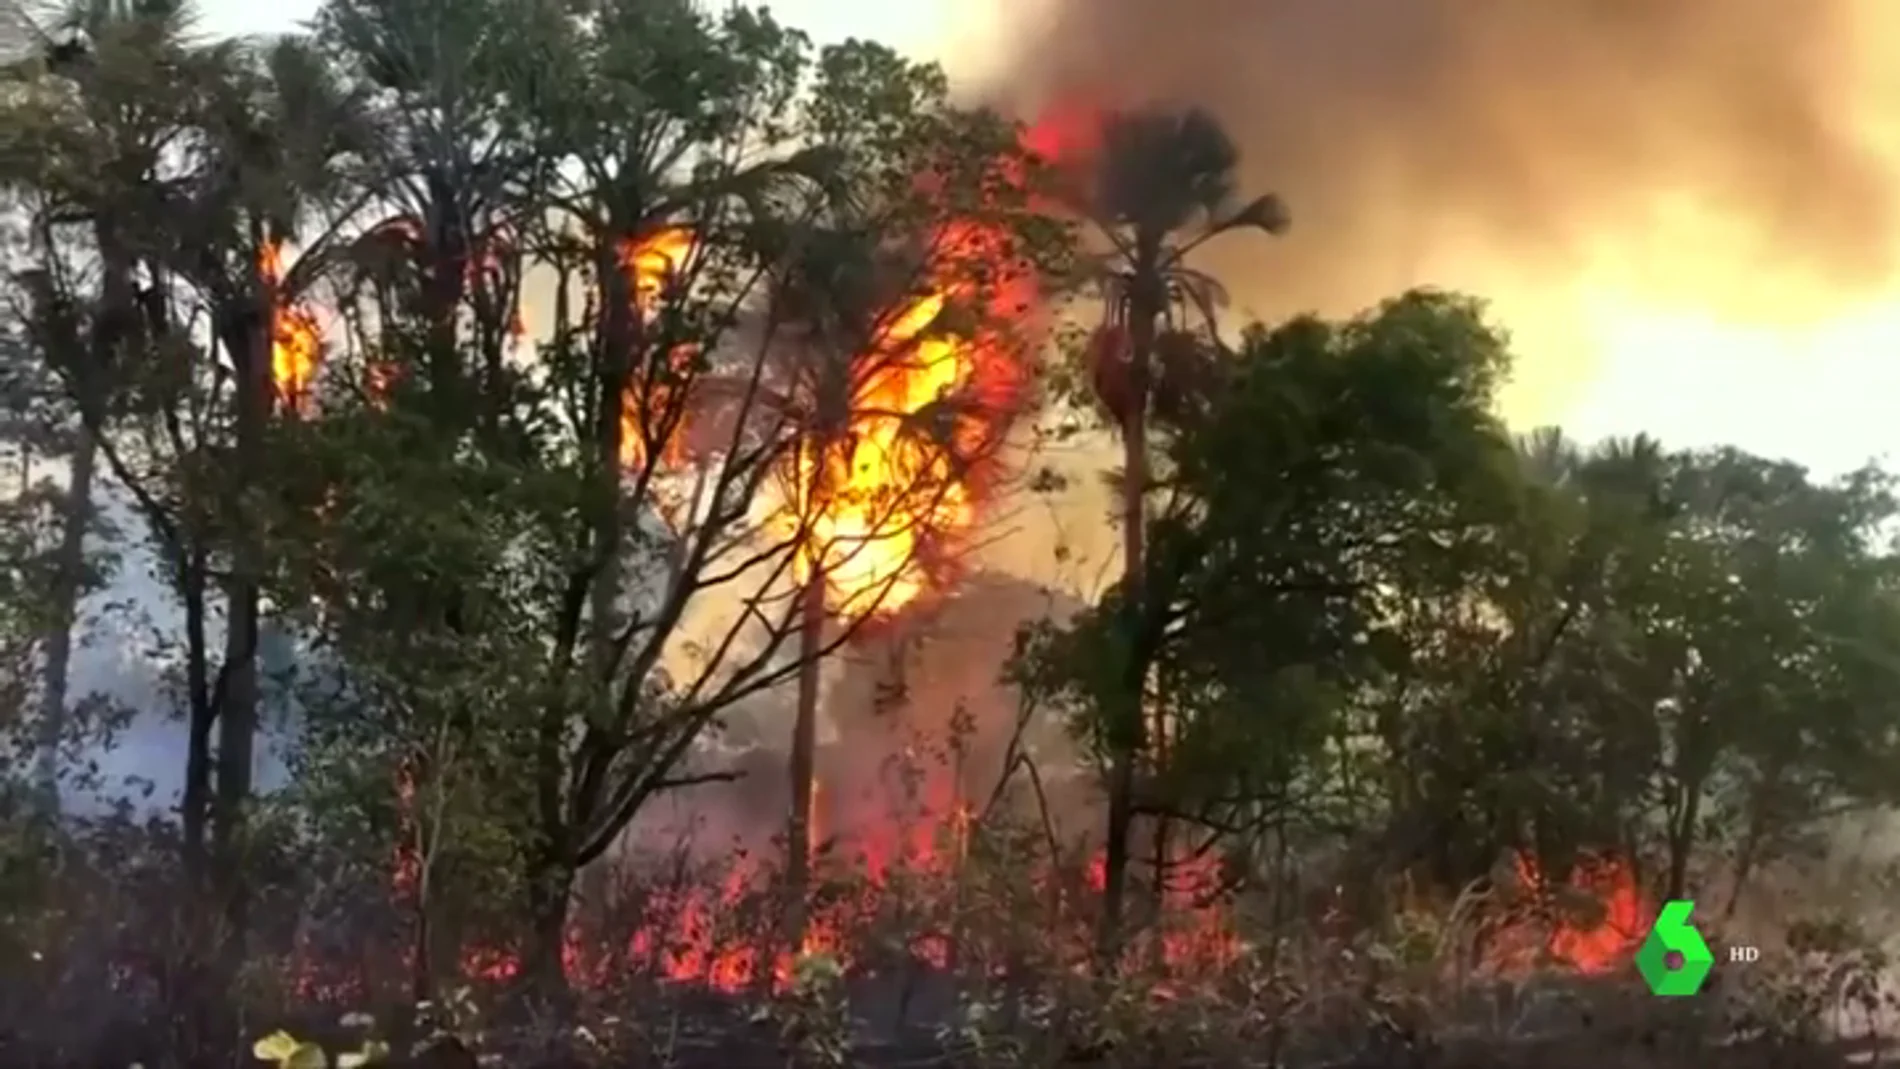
(926, 412)
(651, 263)
(295, 348)
(904, 475)
(1589, 945)
(899, 481)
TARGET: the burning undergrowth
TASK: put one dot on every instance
(914, 737)
(934, 795)
(943, 807)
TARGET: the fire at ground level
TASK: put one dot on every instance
(912, 819)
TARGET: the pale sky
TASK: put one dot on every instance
(916, 26)
(1596, 355)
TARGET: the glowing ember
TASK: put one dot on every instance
(379, 379)
(294, 347)
(1196, 936)
(399, 243)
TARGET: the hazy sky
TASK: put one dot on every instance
(1808, 375)
(913, 25)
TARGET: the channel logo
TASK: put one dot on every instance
(1674, 937)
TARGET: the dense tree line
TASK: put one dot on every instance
(518, 359)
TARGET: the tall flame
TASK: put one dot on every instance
(926, 410)
(887, 488)
(295, 347)
(897, 480)
(651, 262)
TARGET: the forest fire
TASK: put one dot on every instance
(1593, 940)
(889, 495)
(651, 262)
(295, 337)
(924, 414)
(927, 412)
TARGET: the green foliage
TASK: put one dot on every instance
(1343, 467)
(1361, 604)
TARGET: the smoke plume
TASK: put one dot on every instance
(1716, 151)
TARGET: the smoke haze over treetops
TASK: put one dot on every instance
(1734, 157)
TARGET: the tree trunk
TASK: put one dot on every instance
(621, 341)
(237, 714)
(195, 807)
(421, 948)
(1163, 845)
(1682, 836)
(1128, 721)
(804, 761)
(1749, 851)
(550, 883)
(68, 573)
(444, 284)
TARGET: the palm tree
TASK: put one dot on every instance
(1548, 456)
(1163, 185)
(842, 295)
(274, 126)
(455, 181)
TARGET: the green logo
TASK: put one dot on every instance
(1674, 934)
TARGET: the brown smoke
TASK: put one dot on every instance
(1538, 131)
(1686, 198)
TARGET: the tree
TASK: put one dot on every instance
(274, 127)
(79, 151)
(1162, 186)
(67, 62)
(1769, 634)
(1337, 471)
(1639, 667)
(908, 305)
(161, 170)
(577, 581)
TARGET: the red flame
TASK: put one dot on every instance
(690, 937)
(1550, 932)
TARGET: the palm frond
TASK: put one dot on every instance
(1163, 169)
(1266, 212)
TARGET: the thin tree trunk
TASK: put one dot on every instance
(804, 760)
(1682, 836)
(1128, 722)
(804, 755)
(1162, 842)
(238, 705)
(68, 567)
(622, 341)
(550, 883)
(195, 808)
(1748, 853)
